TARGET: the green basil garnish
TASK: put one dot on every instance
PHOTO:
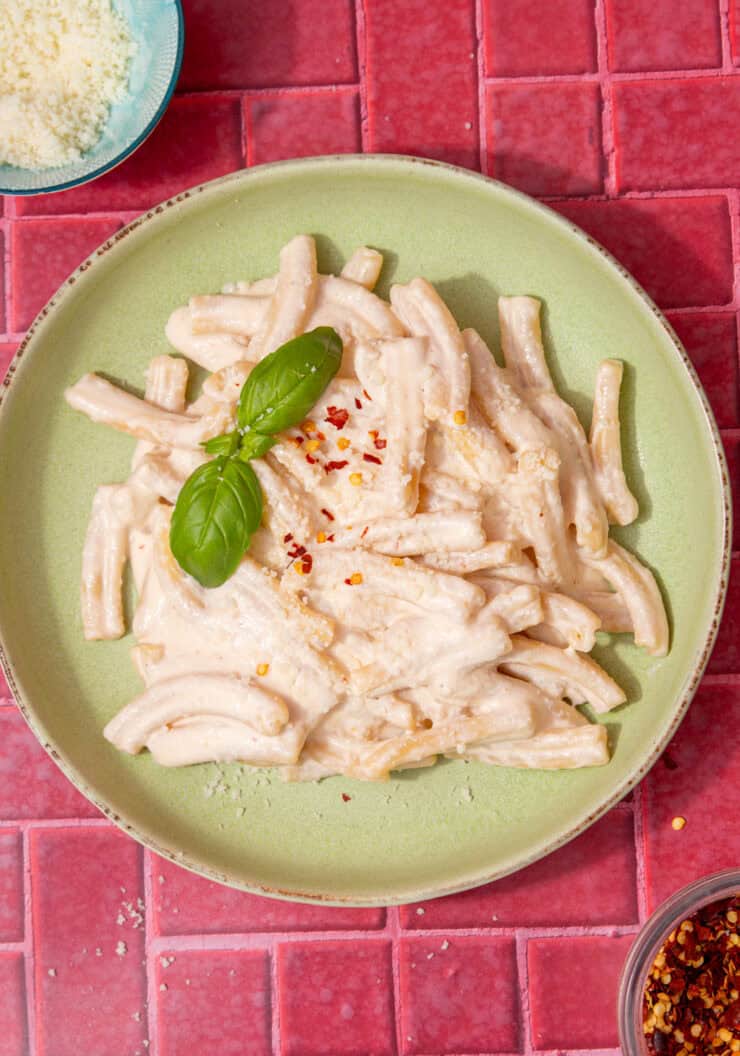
(226, 444)
(220, 505)
(217, 511)
(285, 385)
(254, 445)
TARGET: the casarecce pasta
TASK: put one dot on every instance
(433, 562)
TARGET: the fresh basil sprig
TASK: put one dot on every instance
(285, 385)
(220, 505)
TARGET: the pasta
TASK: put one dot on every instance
(433, 562)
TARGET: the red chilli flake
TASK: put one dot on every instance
(380, 444)
(311, 460)
(358, 405)
(296, 551)
(327, 514)
(307, 564)
(372, 458)
(330, 538)
(690, 1000)
(298, 440)
(364, 532)
(367, 395)
(337, 416)
(345, 797)
(329, 466)
(288, 537)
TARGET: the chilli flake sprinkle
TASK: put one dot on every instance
(337, 416)
(329, 467)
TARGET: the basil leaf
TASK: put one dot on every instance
(254, 445)
(226, 444)
(217, 511)
(285, 385)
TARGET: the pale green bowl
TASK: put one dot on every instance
(157, 27)
(431, 831)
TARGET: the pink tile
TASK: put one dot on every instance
(13, 1035)
(546, 138)
(735, 29)
(573, 991)
(421, 79)
(90, 982)
(45, 252)
(336, 999)
(167, 163)
(677, 133)
(11, 886)
(185, 904)
(663, 35)
(679, 249)
(6, 354)
(560, 39)
(711, 341)
(213, 1001)
(43, 791)
(299, 125)
(726, 656)
(459, 995)
(565, 888)
(702, 787)
(286, 42)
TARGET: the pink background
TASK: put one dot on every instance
(624, 118)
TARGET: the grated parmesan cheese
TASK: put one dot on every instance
(62, 64)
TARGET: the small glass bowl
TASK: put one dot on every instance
(157, 27)
(645, 948)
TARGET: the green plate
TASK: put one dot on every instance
(428, 832)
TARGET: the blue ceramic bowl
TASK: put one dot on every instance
(158, 29)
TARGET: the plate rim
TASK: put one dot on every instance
(44, 318)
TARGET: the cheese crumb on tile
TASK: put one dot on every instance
(62, 64)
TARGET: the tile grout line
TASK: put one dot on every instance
(608, 149)
(7, 261)
(244, 127)
(525, 1011)
(482, 114)
(734, 207)
(275, 89)
(29, 963)
(393, 929)
(265, 940)
(27, 824)
(619, 77)
(640, 858)
(724, 33)
(152, 1005)
(275, 1025)
(361, 47)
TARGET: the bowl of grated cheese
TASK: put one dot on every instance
(82, 85)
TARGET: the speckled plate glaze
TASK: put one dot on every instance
(428, 832)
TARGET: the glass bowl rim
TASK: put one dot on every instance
(78, 181)
(653, 933)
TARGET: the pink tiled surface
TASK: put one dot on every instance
(623, 115)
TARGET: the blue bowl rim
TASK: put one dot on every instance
(134, 144)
